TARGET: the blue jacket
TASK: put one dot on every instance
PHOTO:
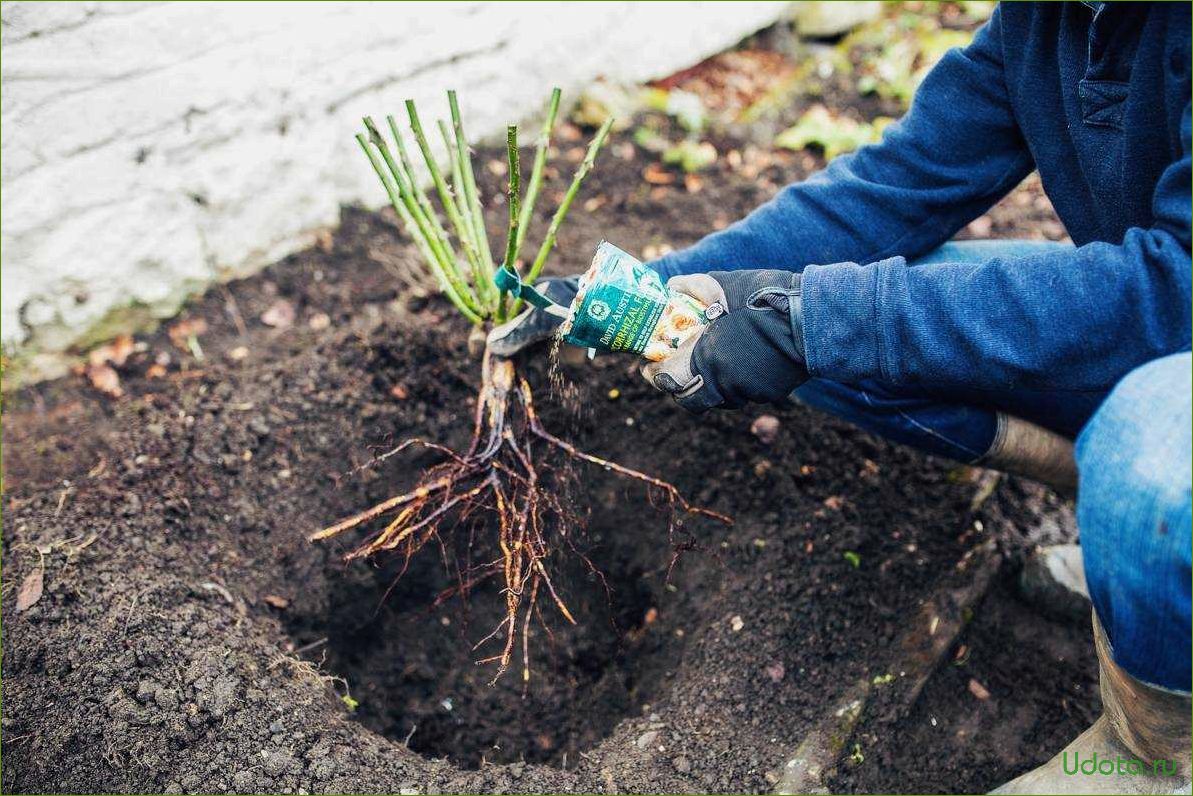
(1097, 98)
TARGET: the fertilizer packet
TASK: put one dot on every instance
(623, 305)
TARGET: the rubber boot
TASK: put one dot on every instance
(1023, 448)
(1140, 744)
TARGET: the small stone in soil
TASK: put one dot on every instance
(277, 763)
(765, 428)
(280, 315)
(978, 690)
(776, 671)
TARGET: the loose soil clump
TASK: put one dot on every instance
(188, 639)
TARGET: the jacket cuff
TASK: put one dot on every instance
(681, 263)
(709, 254)
(844, 338)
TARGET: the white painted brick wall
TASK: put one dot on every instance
(151, 148)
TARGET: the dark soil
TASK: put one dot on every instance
(165, 519)
(951, 735)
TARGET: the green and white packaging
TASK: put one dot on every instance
(622, 305)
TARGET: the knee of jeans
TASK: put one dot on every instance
(1138, 441)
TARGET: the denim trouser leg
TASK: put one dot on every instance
(953, 423)
(1133, 511)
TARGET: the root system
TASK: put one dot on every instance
(500, 486)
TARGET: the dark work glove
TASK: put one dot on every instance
(534, 325)
(752, 351)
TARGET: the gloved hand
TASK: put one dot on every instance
(752, 351)
(534, 325)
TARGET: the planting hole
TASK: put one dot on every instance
(412, 670)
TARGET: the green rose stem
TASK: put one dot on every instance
(414, 230)
(536, 171)
(443, 255)
(514, 185)
(410, 177)
(449, 143)
(468, 178)
(464, 231)
(561, 212)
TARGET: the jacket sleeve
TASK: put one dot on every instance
(1075, 320)
(955, 153)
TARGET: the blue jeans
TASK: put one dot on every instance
(1133, 460)
(953, 422)
(1133, 511)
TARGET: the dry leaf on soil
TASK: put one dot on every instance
(100, 361)
(766, 428)
(276, 601)
(181, 332)
(657, 175)
(31, 588)
(776, 671)
(105, 379)
(116, 352)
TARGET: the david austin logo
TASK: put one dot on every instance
(598, 309)
(1107, 766)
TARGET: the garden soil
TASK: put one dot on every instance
(188, 639)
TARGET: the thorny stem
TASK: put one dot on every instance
(561, 212)
(420, 196)
(440, 247)
(464, 158)
(403, 176)
(536, 171)
(412, 228)
(498, 475)
(477, 298)
(463, 230)
(514, 186)
(449, 142)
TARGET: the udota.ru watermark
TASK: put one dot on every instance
(1107, 766)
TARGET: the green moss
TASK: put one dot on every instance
(134, 318)
(34, 361)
